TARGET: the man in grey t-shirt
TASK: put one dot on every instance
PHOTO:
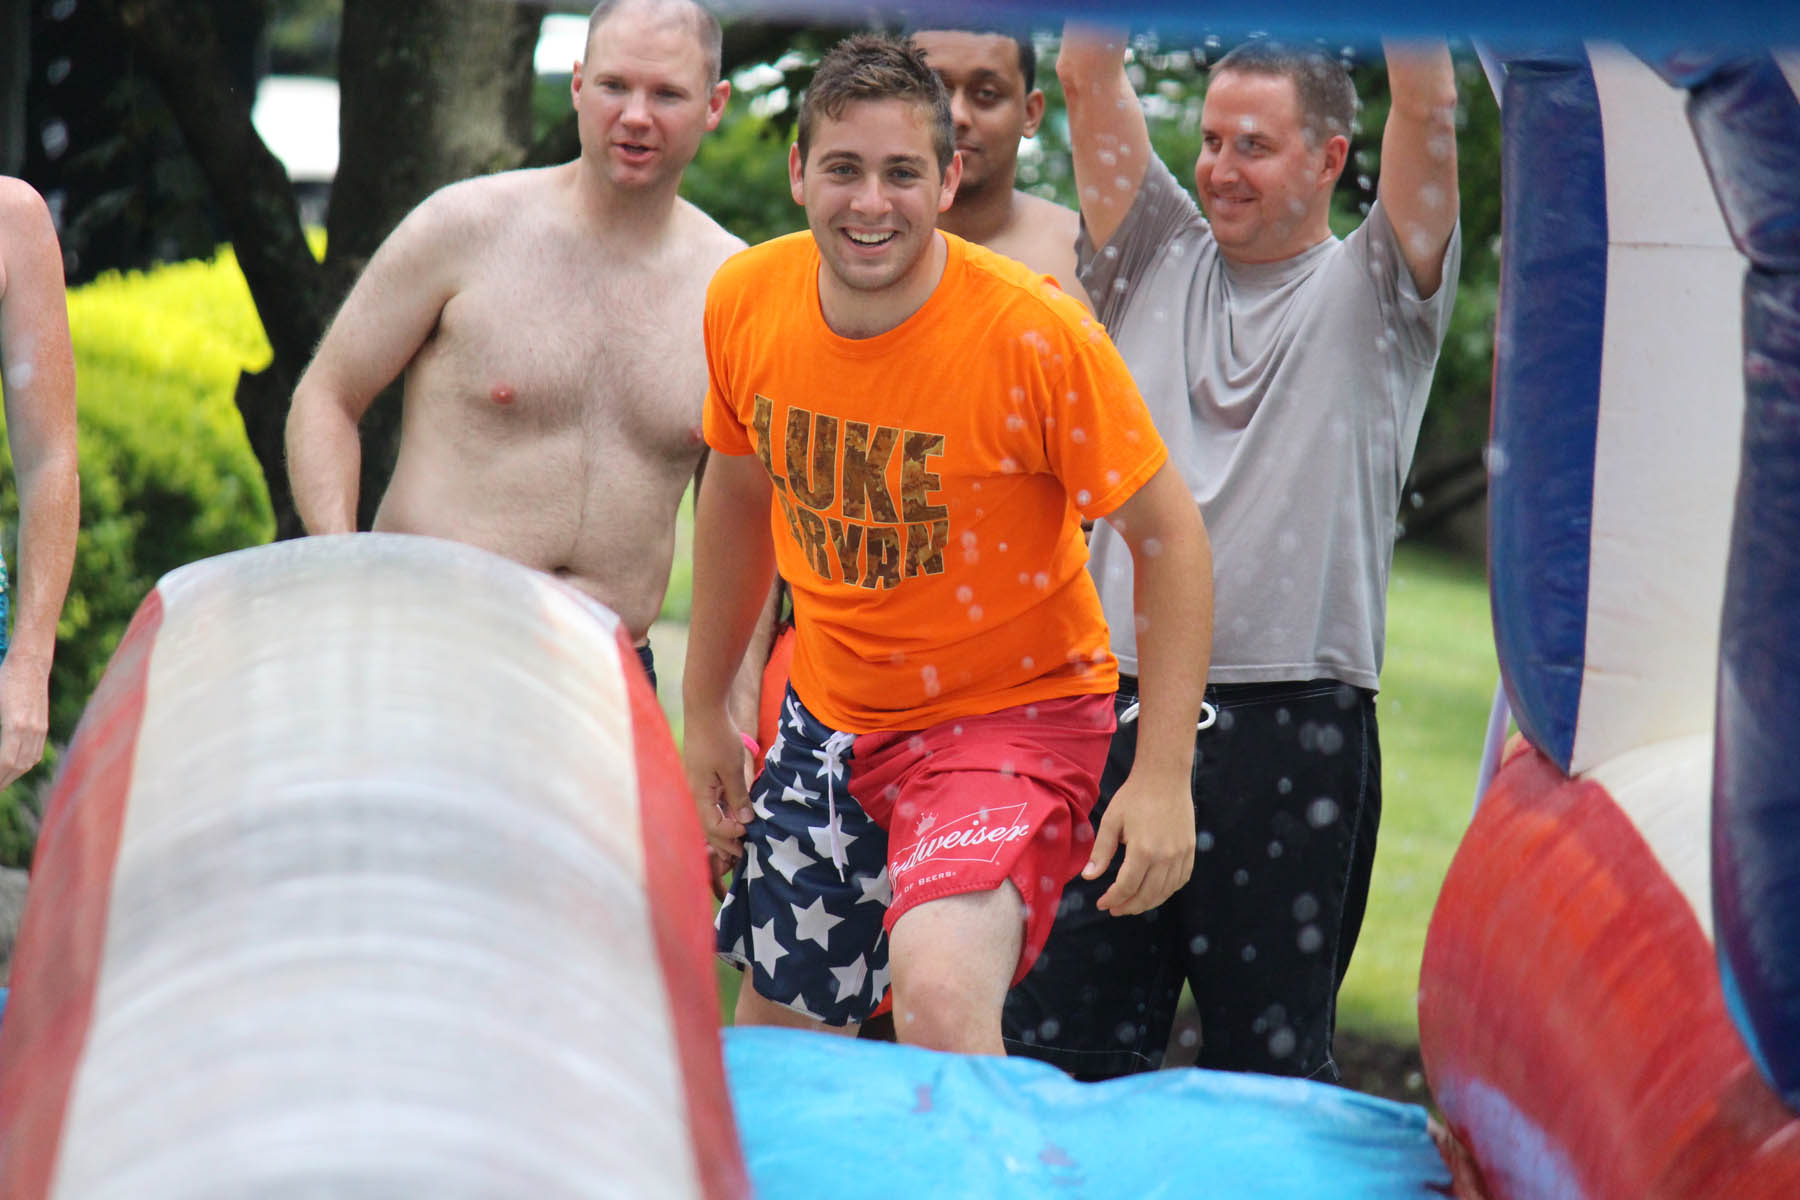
(1288, 372)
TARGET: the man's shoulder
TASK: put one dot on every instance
(1046, 215)
(758, 267)
(709, 238)
(1017, 293)
(483, 202)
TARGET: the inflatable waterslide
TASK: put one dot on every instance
(370, 871)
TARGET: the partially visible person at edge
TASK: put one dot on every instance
(37, 374)
(906, 424)
(547, 323)
(1288, 371)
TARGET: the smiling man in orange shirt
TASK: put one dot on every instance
(910, 427)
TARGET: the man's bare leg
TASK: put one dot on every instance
(953, 960)
(755, 1009)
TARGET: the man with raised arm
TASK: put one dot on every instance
(1287, 370)
(548, 325)
(37, 375)
(910, 426)
(994, 104)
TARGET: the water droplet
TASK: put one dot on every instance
(57, 71)
(1282, 1042)
(1048, 1028)
(965, 593)
(1496, 458)
(1153, 547)
(55, 137)
(1198, 944)
(974, 612)
(1284, 785)
(1028, 663)
(1331, 739)
(1275, 849)
(1248, 954)
(1240, 877)
(1203, 841)
(1321, 812)
(1083, 496)
(1309, 939)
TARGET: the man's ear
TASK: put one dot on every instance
(796, 169)
(575, 87)
(1034, 112)
(952, 177)
(1337, 153)
(715, 103)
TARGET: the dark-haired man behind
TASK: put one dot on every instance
(995, 103)
(1288, 372)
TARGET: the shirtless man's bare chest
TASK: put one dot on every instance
(553, 414)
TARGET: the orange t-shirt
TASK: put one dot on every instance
(928, 481)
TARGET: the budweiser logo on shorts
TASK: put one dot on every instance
(976, 837)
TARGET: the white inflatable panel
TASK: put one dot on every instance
(1667, 443)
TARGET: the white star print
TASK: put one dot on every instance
(786, 856)
(882, 975)
(875, 888)
(850, 978)
(814, 924)
(752, 865)
(775, 748)
(793, 715)
(769, 950)
(798, 793)
(821, 836)
(831, 754)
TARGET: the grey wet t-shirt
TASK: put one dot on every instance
(1290, 396)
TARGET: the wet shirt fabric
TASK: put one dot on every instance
(851, 831)
(1290, 396)
(929, 482)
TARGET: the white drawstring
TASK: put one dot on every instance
(1208, 714)
(830, 763)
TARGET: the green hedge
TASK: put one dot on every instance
(166, 474)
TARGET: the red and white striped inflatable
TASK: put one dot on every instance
(371, 871)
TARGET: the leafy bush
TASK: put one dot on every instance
(166, 474)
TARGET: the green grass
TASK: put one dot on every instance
(1436, 688)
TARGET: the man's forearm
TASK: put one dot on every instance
(734, 565)
(49, 521)
(324, 463)
(1173, 598)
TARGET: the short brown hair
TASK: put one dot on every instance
(1327, 97)
(705, 29)
(875, 66)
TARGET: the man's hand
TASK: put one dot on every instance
(714, 756)
(24, 715)
(1154, 820)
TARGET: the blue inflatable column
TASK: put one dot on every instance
(1747, 121)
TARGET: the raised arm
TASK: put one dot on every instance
(1418, 157)
(386, 318)
(1108, 137)
(37, 367)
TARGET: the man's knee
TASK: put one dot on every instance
(953, 960)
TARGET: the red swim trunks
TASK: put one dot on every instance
(853, 830)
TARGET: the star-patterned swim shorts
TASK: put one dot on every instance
(851, 830)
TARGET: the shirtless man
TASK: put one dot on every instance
(37, 374)
(548, 325)
(994, 102)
